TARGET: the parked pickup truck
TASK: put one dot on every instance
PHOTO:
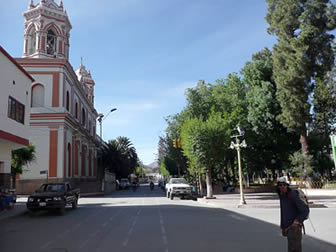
(178, 187)
(53, 196)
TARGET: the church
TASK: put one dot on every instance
(62, 114)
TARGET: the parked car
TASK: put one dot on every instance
(178, 187)
(52, 196)
(124, 183)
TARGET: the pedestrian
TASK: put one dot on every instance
(293, 212)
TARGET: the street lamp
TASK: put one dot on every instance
(100, 120)
(238, 146)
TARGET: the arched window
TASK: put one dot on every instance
(76, 110)
(37, 94)
(32, 41)
(51, 42)
(67, 101)
(83, 116)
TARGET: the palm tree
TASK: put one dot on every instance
(120, 157)
(20, 158)
(129, 156)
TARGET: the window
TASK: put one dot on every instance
(83, 116)
(16, 110)
(37, 96)
(51, 42)
(76, 110)
(67, 100)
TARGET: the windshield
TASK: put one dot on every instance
(124, 180)
(52, 188)
(179, 181)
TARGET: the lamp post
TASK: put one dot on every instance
(100, 120)
(238, 146)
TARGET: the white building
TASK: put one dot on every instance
(15, 85)
(63, 117)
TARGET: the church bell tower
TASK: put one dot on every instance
(47, 30)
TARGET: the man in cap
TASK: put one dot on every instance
(293, 213)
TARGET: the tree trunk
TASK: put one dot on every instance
(209, 183)
(200, 185)
(303, 140)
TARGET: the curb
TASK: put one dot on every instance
(228, 206)
(87, 195)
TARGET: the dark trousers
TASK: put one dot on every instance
(294, 237)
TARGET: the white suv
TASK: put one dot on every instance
(178, 187)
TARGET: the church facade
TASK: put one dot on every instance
(62, 113)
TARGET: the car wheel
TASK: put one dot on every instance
(171, 196)
(75, 204)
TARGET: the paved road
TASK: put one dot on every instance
(147, 221)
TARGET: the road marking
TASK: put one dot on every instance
(87, 240)
(164, 238)
(46, 244)
(237, 217)
(130, 231)
(163, 230)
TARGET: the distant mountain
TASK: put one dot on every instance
(152, 166)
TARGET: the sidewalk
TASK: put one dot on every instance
(21, 209)
(317, 199)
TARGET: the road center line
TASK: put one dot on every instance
(130, 231)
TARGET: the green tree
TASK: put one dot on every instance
(163, 169)
(119, 156)
(302, 55)
(324, 123)
(205, 141)
(269, 142)
(20, 158)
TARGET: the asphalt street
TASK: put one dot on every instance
(146, 220)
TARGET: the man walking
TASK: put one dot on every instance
(293, 213)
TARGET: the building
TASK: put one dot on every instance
(15, 85)
(63, 117)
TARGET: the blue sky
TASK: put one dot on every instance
(143, 54)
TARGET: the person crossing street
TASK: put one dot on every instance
(293, 213)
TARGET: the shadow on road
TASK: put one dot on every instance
(184, 228)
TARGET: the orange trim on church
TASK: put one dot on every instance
(16, 63)
(55, 87)
(53, 141)
(60, 47)
(55, 90)
(43, 43)
(13, 138)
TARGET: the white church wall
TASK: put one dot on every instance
(39, 136)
